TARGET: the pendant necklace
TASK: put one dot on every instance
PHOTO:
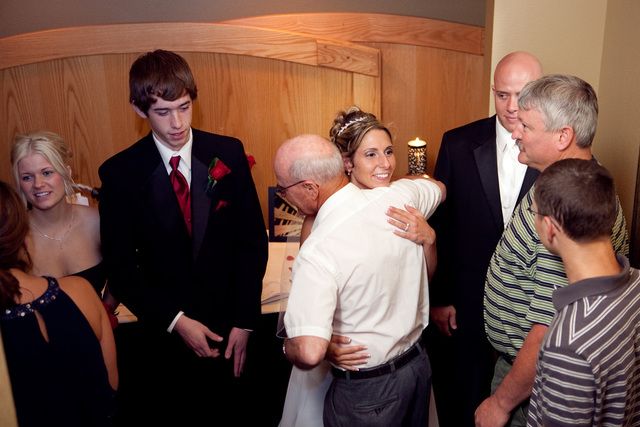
(60, 239)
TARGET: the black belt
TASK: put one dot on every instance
(384, 369)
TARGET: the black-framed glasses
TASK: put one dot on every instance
(282, 191)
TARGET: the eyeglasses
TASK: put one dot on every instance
(282, 191)
(553, 221)
(530, 209)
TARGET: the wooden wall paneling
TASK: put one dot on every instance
(400, 101)
(77, 97)
(427, 91)
(431, 70)
(59, 43)
(367, 93)
(372, 27)
(72, 97)
(451, 89)
(17, 109)
(263, 100)
(124, 125)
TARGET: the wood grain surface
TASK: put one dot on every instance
(262, 85)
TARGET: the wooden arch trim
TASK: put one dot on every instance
(377, 28)
(279, 44)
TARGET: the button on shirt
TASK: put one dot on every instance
(510, 171)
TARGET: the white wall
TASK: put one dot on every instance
(566, 35)
(618, 139)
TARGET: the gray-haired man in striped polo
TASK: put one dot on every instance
(588, 370)
(558, 115)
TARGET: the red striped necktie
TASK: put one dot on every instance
(180, 186)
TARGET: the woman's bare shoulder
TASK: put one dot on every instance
(79, 289)
(86, 213)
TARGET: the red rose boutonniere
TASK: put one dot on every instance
(251, 160)
(217, 171)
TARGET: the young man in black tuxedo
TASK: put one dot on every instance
(185, 246)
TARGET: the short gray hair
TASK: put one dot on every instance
(563, 100)
(319, 165)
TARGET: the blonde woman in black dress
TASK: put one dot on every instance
(65, 237)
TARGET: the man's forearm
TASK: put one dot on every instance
(516, 386)
(306, 352)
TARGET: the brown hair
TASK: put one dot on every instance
(349, 128)
(14, 226)
(580, 195)
(160, 74)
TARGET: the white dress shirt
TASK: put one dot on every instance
(185, 156)
(510, 171)
(354, 277)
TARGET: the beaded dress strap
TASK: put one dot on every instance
(21, 310)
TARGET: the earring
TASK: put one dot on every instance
(349, 172)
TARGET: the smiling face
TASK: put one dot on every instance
(40, 183)
(373, 162)
(170, 121)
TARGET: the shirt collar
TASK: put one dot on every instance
(503, 137)
(592, 287)
(166, 153)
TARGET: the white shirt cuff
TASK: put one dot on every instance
(175, 320)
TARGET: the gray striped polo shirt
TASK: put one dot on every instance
(588, 370)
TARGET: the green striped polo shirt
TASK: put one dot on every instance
(521, 277)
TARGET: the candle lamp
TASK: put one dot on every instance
(417, 157)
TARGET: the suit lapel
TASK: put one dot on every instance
(487, 165)
(200, 201)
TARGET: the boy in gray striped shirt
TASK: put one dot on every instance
(588, 370)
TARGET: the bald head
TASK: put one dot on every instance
(512, 72)
(519, 63)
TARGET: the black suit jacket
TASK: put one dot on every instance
(154, 266)
(469, 222)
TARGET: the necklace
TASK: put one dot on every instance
(60, 239)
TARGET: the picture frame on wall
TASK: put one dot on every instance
(284, 222)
